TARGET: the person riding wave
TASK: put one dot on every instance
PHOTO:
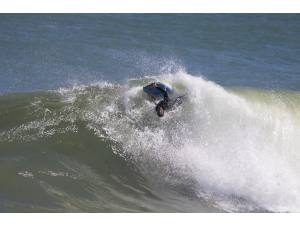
(163, 104)
(159, 91)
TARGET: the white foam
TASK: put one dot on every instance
(224, 142)
(26, 174)
(58, 174)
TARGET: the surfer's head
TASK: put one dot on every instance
(159, 110)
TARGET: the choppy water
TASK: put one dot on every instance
(77, 134)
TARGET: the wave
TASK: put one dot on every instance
(101, 147)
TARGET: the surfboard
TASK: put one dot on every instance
(155, 92)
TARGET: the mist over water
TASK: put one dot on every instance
(77, 133)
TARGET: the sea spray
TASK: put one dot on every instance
(217, 139)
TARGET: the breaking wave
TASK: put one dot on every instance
(101, 147)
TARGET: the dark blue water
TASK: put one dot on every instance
(47, 51)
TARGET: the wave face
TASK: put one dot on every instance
(101, 148)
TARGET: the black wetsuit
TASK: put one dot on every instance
(164, 103)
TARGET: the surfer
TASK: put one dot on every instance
(156, 90)
(160, 92)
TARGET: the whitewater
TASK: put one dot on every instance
(101, 148)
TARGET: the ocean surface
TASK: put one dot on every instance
(77, 133)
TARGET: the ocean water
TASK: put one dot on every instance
(77, 133)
